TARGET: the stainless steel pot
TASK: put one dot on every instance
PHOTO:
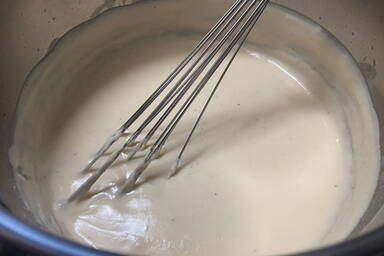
(30, 28)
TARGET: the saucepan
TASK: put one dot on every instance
(30, 29)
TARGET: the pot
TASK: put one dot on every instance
(32, 29)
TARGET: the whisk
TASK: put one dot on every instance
(226, 36)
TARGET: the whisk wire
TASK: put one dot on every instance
(128, 185)
(95, 176)
(244, 37)
(161, 88)
(186, 84)
(233, 16)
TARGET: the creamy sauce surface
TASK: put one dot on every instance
(267, 172)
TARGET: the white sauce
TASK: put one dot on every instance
(270, 169)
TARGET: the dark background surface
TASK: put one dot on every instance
(11, 250)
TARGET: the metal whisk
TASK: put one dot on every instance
(230, 31)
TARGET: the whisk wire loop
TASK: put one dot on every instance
(231, 30)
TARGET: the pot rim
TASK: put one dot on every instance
(21, 234)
